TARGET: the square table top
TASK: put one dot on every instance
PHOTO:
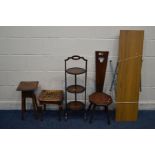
(27, 85)
(51, 96)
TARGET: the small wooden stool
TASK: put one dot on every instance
(99, 99)
(52, 97)
(27, 89)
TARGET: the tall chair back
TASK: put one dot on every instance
(101, 65)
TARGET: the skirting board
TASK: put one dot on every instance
(16, 105)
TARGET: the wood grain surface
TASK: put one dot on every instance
(129, 74)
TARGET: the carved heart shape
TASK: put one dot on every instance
(101, 59)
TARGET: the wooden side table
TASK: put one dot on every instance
(52, 97)
(27, 89)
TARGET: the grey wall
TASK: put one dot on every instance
(38, 53)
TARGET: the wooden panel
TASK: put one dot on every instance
(126, 112)
(129, 74)
(128, 81)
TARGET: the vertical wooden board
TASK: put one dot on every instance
(101, 65)
(129, 70)
(128, 81)
(131, 43)
(126, 112)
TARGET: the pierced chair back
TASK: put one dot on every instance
(101, 65)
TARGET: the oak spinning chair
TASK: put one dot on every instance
(99, 98)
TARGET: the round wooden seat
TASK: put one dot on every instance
(100, 98)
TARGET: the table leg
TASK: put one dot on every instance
(35, 106)
(23, 105)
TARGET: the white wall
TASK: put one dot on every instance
(38, 53)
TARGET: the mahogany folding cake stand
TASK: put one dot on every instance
(75, 89)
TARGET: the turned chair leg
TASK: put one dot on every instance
(107, 113)
(89, 108)
(92, 113)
